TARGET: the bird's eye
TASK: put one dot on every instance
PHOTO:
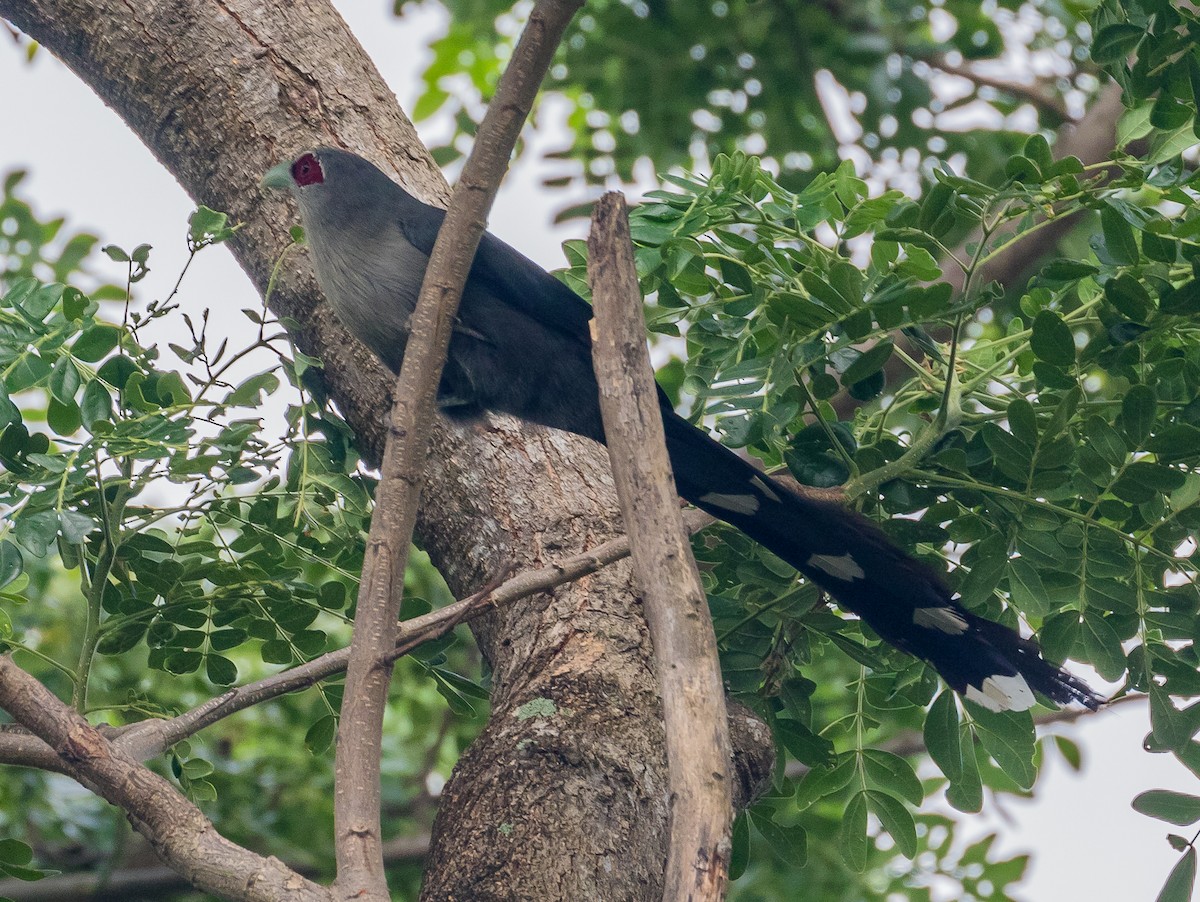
(307, 171)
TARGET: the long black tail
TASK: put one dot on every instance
(903, 600)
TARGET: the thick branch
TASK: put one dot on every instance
(674, 601)
(177, 829)
(358, 837)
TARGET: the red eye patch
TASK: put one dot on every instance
(307, 171)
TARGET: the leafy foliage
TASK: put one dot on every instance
(1044, 442)
(677, 82)
(156, 547)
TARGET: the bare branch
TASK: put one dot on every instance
(674, 601)
(177, 829)
(358, 840)
(1038, 93)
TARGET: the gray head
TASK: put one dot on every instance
(358, 223)
(337, 189)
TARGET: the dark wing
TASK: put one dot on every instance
(506, 273)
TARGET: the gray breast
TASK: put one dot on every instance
(372, 283)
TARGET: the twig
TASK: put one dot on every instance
(676, 607)
(183, 837)
(358, 842)
(1039, 94)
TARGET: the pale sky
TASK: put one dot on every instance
(1086, 841)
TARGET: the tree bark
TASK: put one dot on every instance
(563, 796)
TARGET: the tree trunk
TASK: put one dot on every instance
(565, 794)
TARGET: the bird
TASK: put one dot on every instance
(521, 345)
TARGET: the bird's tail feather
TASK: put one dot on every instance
(902, 599)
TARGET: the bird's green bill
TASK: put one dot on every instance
(278, 178)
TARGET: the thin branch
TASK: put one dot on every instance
(1039, 93)
(674, 601)
(181, 835)
(357, 834)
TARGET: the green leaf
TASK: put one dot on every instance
(320, 735)
(64, 380)
(96, 342)
(1037, 148)
(41, 302)
(64, 419)
(824, 781)
(195, 768)
(277, 651)
(892, 774)
(75, 527)
(1119, 239)
(1138, 412)
(1022, 421)
(941, 735)
(1063, 270)
(1164, 145)
(1182, 300)
(1025, 584)
(75, 303)
(13, 851)
(248, 394)
(96, 405)
(1175, 808)
(1012, 455)
(1128, 295)
(1114, 43)
(1176, 442)
(966, 794)
(1103, 646)
(11, 562)
(29, 370)
(805, 745)
(868, 363)
(181, 662)
(896, 819)
(1106, 441)
(788, 842)
(1052, 340)
(914, 237)
(1182, 879)
(207, 226)
(1166, 720)
(852, 836)
(739, 855)
(1008, 737)
(1021, 169)
(220, 670)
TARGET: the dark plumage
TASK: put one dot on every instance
(523, 347)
